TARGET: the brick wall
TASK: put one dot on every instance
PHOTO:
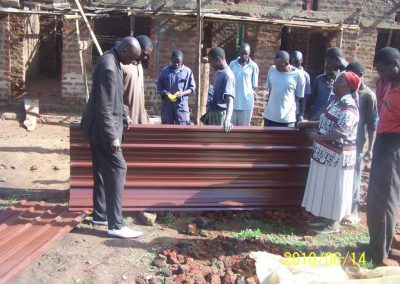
(366, 42)
(72, 80)
(4, 57)
(17, 71)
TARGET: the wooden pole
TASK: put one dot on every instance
(89, 27)
(204, 83)
(199, 23)
(389, 38)
(339, 40)
(78, 36)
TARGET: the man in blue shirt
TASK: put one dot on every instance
(246, 79)
(221, 92)
(175, 83)
(323, 84)
(321, 90)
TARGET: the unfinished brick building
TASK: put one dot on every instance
(39, 42)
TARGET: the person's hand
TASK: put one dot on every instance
(178, 94)
(172, 98)
(115, 145)
(127, 122)
(227, 126)
(368, 155)
(301, 124)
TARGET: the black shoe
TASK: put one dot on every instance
(101, 223)
(328, 229)
(318, 222)
(394, 254)
(364, 246)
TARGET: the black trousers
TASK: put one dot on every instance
(268, 122)
(109, 173)
(383, 194)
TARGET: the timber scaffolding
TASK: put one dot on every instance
(99, 10)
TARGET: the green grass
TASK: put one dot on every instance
(5, 203)
(166, 218)
(292, 239)
(247, 234)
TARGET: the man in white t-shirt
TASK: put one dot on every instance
(286, 87)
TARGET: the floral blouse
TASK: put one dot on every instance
(341, 116)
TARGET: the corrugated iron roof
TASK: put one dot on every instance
(29, 228)
(201, 168)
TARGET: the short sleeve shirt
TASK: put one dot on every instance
(222, 85)
(284, 88)
(246, 78)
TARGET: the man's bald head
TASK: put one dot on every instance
(296, 59)
(128, 50)
(282, 61)
(282, 55)
(245, 46)
(244, 53)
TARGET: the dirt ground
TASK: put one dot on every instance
(193, 247)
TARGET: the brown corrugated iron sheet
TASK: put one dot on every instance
(29, 228)
(201, 168)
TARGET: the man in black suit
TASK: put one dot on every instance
(102, 122)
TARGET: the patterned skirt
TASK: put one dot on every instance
(329, 190)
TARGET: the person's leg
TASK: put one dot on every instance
(99, 196)
(244, 117)
(383, 195)
(182, 115)
(114, 169)
(356, 183)
(167, 115)
(235, 117)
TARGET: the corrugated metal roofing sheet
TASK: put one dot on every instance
(29, 228)
(201, 168)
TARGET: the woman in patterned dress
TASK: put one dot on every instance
(328, 193)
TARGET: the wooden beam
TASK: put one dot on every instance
(89, 27)
(199, 28)
(389, 40)
(83, 70)
(339, 39)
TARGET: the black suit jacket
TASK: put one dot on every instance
(102, 120)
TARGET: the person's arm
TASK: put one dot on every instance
(299, 95)
(307, 124)
(372, 121)
(161, 88)
(104, 107)
(310, 100)
(327, 136)
(254, 79)
(191, 86)
(229, 94)
(229, 110)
